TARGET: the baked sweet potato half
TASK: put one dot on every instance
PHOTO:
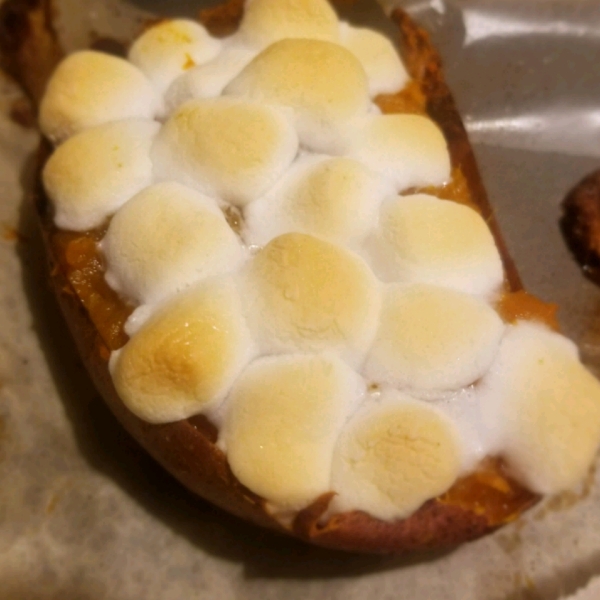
(356, 362)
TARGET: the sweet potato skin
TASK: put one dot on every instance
(186, 448)
(580, 224)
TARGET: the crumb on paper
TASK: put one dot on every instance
(22, 113)
(12, 234)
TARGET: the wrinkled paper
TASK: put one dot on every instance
(86, 514)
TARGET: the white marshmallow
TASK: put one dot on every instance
(463, 408)
(91, 88)
(185, 357)
(326, 87)
(95, 172)
(170, 48)
(333, 198)
(378, 56)
(543, 409)
(423, 239)
(433, 338)
(165, 239)
(393, 456)
(227, 148)
(268, 21)
(285, 414)
(209, 80)
(410, 150)
(306, 294)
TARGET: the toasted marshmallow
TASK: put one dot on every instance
(543, 408)
(379, 58)
(209, 80)
(423, 239)
(283, 419)
(333, 198)
(185, 357)
(91, 88)
(410, 150)
(164, 240)
(327, 88)
(305, 294)
(227, 148)
(95, 172)
(433, 338)
(170, 48)
(393, 456)
(268, 21)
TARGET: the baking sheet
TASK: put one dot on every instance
(85, 514)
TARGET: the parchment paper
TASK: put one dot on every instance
(85, 514)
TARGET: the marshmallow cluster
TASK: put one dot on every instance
(423, 239)
(169, 49)
(231, 149)
(432, 338)
(333, 198)
(164, 240)
(394, 455)
(340, 332)
(91, 88)
(326, 90)
(186, 356)
(303, 293)
(95, 172)
(284, 418)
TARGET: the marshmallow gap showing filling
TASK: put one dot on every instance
(334, 198)
(165, 239)
(268, 21)
(543, 408)
(394, 455)
(326, 87)
(186, 356)
(432, 338)
(306, 294)
(423, 239)
(284, 416)
(409, 150)
(169, 48)
(91, 88)
(379, 58)
(95, 172)
(227, 148)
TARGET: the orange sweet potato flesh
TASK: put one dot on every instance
(94, 314)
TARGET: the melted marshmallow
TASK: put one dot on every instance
(164, 240)
(537, 406)
(91, 88)
(333, 198)
(227, 148)
(542, 408)
(268, 21)
(305, 294)
(209, 80)
(284, 417)
(433, 338)
(394, 455)
(95, 172)
(184, 358)
(409, 150)
(379, 58)
(170, 48)
(423, 239)
(327, 88)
